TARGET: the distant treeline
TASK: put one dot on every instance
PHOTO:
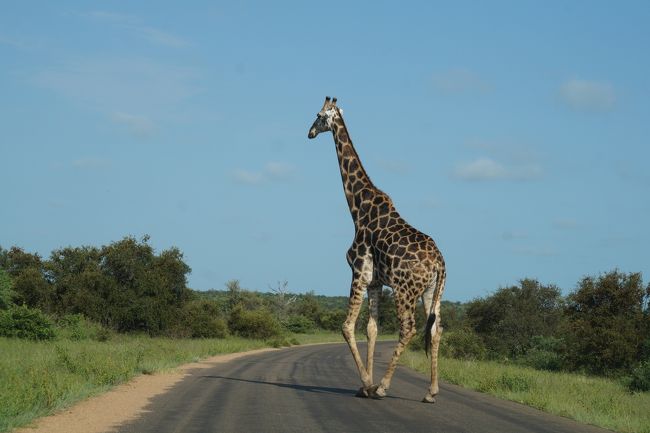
(601, 327)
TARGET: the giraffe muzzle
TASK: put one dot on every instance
(312, 133)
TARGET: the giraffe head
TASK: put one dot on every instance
(324, 118)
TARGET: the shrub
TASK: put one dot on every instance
(545, 354)
(498, 317)
(605, 317)
(513, 382)
(258, 324)
(6, 294)
(24, 322)
(77, 327)
(299, 324)
(462, 344)
(201, 319)
(640, 378)
(332, 320)
(278, 342)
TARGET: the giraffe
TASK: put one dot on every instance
(386, 251)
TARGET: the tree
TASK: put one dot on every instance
(148, 290)
(509, 319)
(6, 292)
(388, 321)
(605, 322)
(282, 300)
(27, 273)
(308, 306)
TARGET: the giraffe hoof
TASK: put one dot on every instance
(377, 392)
(363, 393)
(429, 399)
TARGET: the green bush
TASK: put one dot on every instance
(76, 327)
(278, 342)
(24, 322)
(6, 294)
(605, 320)
(299, 324)
(258, 323)
(462, 344)
(545, 354)
(201, 319)
(332, 320)
(640, 378)
(513, 382)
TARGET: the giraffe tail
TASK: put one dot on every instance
(427, 332)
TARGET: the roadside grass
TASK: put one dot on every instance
(39, 378)
(591, 400)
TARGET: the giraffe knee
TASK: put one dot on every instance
(371, 331)
(348, 331)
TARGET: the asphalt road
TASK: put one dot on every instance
(312, 389)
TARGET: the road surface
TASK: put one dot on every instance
(312, 389)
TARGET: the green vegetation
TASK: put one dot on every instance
(602, 328)
(37, 378)
(24, 322)
(89, 317)
(592, 400)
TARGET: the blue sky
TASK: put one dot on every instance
(515, 133)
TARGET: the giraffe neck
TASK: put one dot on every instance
(356, 183)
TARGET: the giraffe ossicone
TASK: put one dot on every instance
(386, 251)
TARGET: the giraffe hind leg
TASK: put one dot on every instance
(434, 333)
(374, 291)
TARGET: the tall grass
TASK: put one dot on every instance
(591, 400)
(38, 378)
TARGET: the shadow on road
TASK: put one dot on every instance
(307, 388)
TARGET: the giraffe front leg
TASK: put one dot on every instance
(407, 330)
(356, 298)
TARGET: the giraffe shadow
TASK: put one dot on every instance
(295, 386)
(298, 387)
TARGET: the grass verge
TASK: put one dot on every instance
(39, 378)
(590, 400)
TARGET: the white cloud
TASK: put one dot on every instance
(510, 235)
(113, 84)
(278, 170)
(13, 43)
(140, 126)
(162, 38)
(588, 95)
(135, 25)
(247, 177)
(90, 163)
(459, 81)
(272, 171)
(565, 224)
(394, 166)
(485, 169)
(535, 251)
